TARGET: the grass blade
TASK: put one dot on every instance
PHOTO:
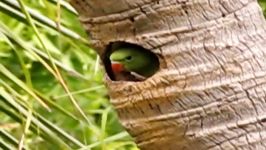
(38, 18)
(8, 74)
(53, 137)
(58, 74)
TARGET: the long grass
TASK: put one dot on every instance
(51, 85)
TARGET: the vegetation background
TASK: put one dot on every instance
(52, 94)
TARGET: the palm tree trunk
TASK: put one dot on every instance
(210, 91)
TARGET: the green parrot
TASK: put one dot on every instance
(133, 64)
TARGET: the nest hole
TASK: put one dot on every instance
(148, 57)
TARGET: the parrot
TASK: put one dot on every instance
(133, 63)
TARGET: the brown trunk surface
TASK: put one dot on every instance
(210, 90)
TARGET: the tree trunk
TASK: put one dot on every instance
(210, 90)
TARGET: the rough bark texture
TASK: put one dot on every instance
(210, 91)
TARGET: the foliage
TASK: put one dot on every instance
(51, 87)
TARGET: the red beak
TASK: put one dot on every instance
(117, 67)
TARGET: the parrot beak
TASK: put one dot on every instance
(117, 67)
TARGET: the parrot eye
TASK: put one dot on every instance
(128, 58)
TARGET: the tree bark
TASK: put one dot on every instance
(210, 91)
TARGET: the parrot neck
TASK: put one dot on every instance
(117, 67)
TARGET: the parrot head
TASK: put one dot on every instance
(143, 63)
